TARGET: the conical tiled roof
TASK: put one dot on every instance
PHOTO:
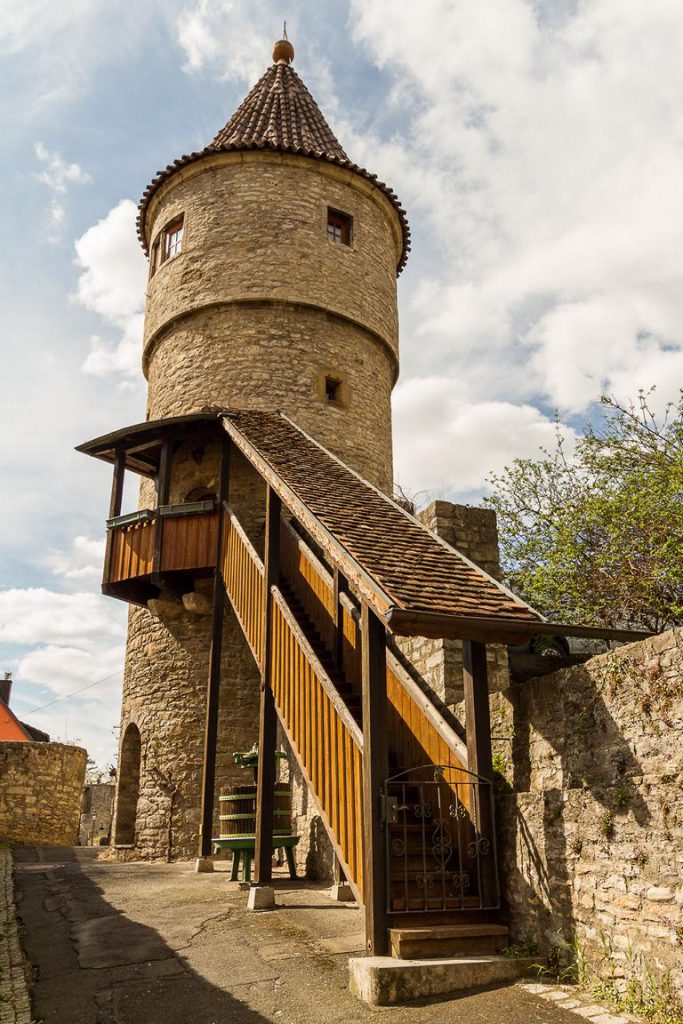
(279, 114)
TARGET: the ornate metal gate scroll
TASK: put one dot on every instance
(440, 841)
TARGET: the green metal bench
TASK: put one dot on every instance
(243, 848)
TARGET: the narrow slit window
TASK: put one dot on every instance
(332, 390)
(173, 239)
(339, 227)
(154, 258)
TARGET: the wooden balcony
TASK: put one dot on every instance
(154, 546)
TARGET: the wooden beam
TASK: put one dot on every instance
(341, 586)
(375, 773)
(115, 503)
(265, 798)
(480, 761)
(496, 630)
(164, 485)
(214, 680)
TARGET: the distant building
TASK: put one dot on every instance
(11, 729)
(97, 812)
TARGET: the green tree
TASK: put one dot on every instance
(596, 536)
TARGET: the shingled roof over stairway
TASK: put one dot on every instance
(410, 574)
(278, 114)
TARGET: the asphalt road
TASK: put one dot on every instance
(158, 944)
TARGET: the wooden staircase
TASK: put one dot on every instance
(433, 904)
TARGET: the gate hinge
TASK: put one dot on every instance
(390, 810)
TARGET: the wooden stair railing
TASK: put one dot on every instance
(324, 737)
(242, 572)
(419, 733)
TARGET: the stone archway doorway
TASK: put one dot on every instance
(129, 787)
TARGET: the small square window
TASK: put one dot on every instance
(172, 239)
(332, 389)
(339, 227)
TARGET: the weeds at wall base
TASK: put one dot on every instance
(633, 987)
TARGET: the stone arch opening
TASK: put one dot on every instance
(129, 786)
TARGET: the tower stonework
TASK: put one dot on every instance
(255, 303)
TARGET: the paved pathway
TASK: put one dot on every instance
(157, 944)
(14, 1002)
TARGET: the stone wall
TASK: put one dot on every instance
(40, 792)
(474, 533)
(589, 814)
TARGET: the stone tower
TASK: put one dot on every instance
(273, 267)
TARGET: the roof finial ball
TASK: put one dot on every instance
(283, 51)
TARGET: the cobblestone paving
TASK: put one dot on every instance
(14, 1001)
(569, 998)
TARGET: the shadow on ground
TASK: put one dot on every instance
(94, 964)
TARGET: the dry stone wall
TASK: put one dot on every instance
(589, 806)
(40, 792)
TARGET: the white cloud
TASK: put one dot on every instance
(446, 445)
(112, 284)
(58, 176)
(545, 161)
(39, 616)
(229, 39)
(81, 563)
(62, 670)
(73, 641)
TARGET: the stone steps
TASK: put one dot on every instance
(384, 981)
(450, 940)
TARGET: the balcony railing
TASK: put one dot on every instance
(169, 539)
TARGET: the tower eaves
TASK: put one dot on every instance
(278, 114)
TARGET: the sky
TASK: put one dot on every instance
(537, 146)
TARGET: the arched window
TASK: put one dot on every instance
(201, 494)
(129, 787)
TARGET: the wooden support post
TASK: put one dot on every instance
(375, 773)
(163, 485)
(214, 681)
(265, 798)
(114, 508)
(480, 761)
(341, 586)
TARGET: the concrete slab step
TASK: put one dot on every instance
(384, 981)
(448, 941)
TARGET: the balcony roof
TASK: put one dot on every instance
(142, 441)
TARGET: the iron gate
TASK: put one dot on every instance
(439, 831)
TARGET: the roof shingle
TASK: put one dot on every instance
(280, 112)
(416, 570)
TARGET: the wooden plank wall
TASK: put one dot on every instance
(132, 551)
(189, 541)
(243, 575)
(323, 734)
